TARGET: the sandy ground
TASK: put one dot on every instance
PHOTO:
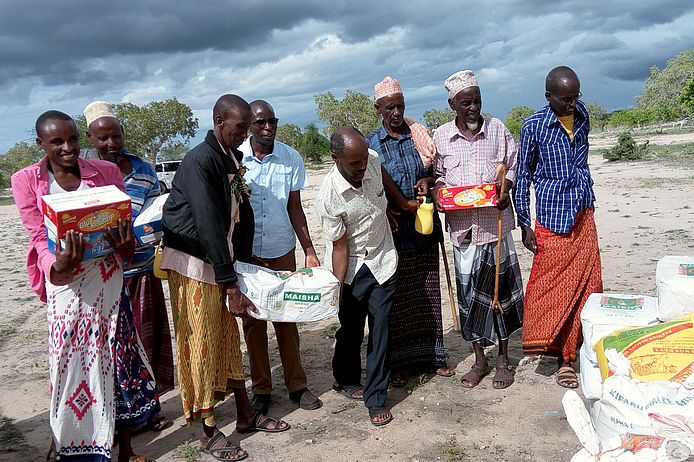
(644, 211)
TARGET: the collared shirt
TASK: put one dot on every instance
(557, 167)
(360, 213)
(402, 161)
(271, 180)
(141, 184)
(461, 161)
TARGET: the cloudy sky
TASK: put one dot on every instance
(62, 55)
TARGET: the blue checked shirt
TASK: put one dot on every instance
(141, 184)
(402, 161)
(557, 168)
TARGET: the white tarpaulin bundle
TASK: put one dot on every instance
(305, 295)
(674, 282)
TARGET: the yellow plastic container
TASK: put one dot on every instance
(424, 221)
(158, 272)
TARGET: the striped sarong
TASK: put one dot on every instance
(416, 329)
(475, 270)
(208, 345)
(566, 270)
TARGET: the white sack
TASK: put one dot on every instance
(603, 314)
(674, 282)
(306, 295)
(589, 377)
(626, 404)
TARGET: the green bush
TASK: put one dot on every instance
(627, 149)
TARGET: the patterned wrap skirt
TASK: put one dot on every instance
(99, 373)
(475, 268)
(152, 323)
(566, 270)
(208, 345)
(416, 329)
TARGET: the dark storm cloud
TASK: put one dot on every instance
(65, 54)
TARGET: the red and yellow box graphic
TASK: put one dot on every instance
(91, 212)
(468, 197)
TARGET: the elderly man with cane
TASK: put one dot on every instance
(468, 151)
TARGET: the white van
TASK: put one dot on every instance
(165, 173)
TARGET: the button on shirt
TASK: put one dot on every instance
(557, 167)
(360, 213)
(271, 180)
(461, 161)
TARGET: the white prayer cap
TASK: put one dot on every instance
(98, 109)
(460, 81)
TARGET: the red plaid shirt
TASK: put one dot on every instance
(462, 162)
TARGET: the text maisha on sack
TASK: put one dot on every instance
(306, 295)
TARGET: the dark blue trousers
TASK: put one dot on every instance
(363, 298)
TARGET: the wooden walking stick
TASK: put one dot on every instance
(500, 171)
(451, 295)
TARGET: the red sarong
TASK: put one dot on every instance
(566, 270)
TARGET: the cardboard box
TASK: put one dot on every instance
(147, 225)
(89, 211)
(468, 197)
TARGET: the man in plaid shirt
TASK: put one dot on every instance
(553, 157)
(468, 151)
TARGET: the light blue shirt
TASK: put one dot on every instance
(271, 180)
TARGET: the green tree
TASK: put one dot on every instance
(81, 123)
(434, 118)
(313, 145)
(598, 116)
(17, 157)
(355, 109)
(687, 97)
(150, 128)
(515, 118)
(289, 134)
(176, 152)
(155, 125)
(662, 89)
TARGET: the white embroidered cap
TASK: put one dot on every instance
(96, 110)
(460, 81)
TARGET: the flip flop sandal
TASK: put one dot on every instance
(474, 377)
(400, 379)
(264, 425)
(305, 399)
(377, 411)
(222, 452)
(504, 376)
(140, 459)
(159, 423)
(566, 377)
(349, 391)
(445, 372)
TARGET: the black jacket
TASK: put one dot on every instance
(197, 214)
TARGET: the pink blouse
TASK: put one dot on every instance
(28, 185)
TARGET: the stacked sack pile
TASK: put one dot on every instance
(637, 372)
